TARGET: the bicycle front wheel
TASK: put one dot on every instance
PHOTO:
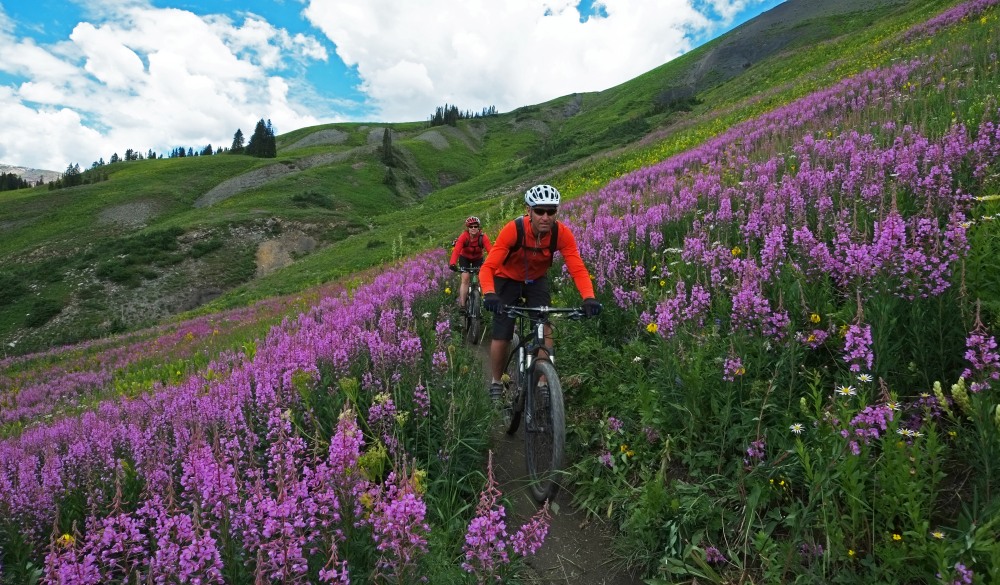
(513, 398)
(545, 432)
(474, 319)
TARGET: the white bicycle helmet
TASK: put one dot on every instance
(541, 195)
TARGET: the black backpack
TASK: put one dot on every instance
(553, 242)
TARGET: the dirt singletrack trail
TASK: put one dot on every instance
(577, 550)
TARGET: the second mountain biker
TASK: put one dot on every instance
(468, 253)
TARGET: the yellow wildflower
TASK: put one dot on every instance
(938, 534)
(66, 540)
(850, 552)
(736, 251)
(652, 327)
(447, 290)
(815, 318)
(418, 481)
(897, 537)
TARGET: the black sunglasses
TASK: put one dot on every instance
(473, 227)
(544, 210)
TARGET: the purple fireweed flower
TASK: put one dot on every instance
(614, 425)
(486, 540)
(682, 308)
(732, 368)
(421, 400)
(184, 553)
(870, 424)
(713, 556)
(858, 347)
(755, 453)
(813, 339)
(606, 459)
(809, 551)
(398, 528)
(984, 361)
(529, 538)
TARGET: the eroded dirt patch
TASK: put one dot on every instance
(275, 254)
(135, 214)
(322, 137)
(435, 139)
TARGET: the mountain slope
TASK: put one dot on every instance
(155, 238)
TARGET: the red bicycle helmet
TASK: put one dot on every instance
(473, 220)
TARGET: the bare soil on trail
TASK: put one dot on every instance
(577, 549)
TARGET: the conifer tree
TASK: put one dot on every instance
(238, 141)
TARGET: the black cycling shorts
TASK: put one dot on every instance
(464, 262)
(535, 294)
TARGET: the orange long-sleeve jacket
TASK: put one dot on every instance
(468, 247)
(532, 260)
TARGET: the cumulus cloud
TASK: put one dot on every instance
(141, 77)
(131, 75)
(414, 56)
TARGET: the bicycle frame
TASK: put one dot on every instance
(473, 306)
(476, 311)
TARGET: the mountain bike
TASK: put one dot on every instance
(532, 391)
(473, 306)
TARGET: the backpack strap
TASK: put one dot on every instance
(519, 243)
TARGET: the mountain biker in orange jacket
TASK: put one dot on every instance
(468, 253)
(508, 275)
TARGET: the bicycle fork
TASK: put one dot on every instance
(526, 359)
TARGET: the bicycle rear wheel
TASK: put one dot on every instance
(513, 398)
(545, 433)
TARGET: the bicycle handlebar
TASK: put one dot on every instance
(470, 269)
(574, 313)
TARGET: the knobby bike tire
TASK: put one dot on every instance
(513, 396)
(545, 434)
(474, 320)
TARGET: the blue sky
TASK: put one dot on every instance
(80, 80)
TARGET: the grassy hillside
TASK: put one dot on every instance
(793, 380)
(328, 205)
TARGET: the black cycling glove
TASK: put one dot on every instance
(492, 302)
(591, 307)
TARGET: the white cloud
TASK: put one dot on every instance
(415, 56)
(141, 77)
(135, 76)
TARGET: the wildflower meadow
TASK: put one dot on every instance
(795, 379)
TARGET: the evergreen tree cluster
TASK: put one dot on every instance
(73, 176)
(262, 144)
(450, 115)
(11, 181)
